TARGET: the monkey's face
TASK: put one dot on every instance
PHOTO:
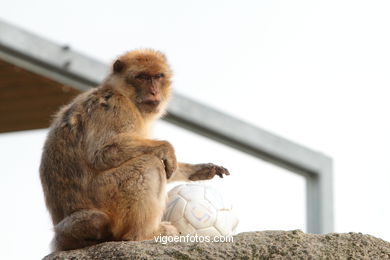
(149, 88)
(147, 76)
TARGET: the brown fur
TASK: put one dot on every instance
(103, 177)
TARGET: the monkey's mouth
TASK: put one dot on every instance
(152, 103)
(149, 106)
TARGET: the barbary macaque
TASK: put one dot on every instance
(103, 176)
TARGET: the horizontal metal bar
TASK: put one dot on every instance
(42, 56)
(236, 133)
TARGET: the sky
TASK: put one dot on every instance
(315, 72)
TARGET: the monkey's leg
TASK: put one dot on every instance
(141, 199)
(197, 172)
(80, 229)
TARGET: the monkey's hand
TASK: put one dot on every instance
(168, 157)
(208, 171)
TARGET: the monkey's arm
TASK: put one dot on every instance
(197, 172)
(123, 147)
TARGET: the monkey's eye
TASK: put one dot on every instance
(158, 76)
(143, 76)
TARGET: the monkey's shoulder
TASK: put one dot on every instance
(84, 105)
(101, 109)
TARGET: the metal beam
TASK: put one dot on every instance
(69, 67)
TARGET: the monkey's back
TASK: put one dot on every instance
(62, 169)
(66, 174)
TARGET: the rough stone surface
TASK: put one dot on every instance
(253, 245)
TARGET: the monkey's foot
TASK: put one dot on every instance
(167, 229)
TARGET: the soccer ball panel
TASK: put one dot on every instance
(215, 198)
(175, 191)
(175, 209)
(226, 222)
(192, 192)
(200, 214)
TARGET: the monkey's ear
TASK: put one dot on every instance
(118, 66)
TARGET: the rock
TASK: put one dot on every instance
(252, 245)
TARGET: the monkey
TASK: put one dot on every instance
(103, 176)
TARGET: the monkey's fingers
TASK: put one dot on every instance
(220, 171)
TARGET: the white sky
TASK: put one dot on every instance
(316, 72)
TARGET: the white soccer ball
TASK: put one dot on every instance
(201, 210)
